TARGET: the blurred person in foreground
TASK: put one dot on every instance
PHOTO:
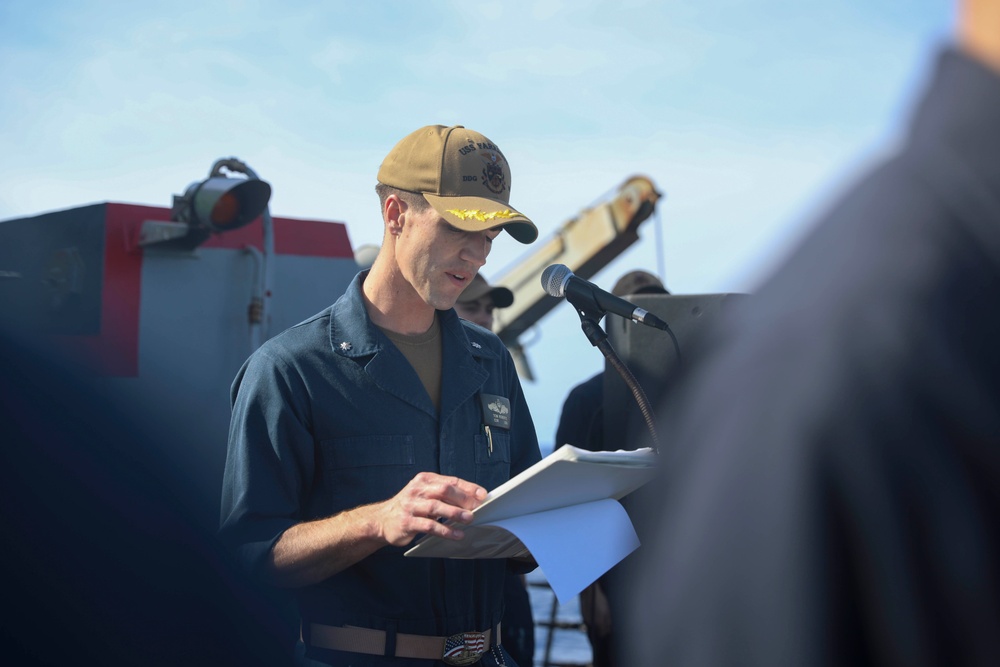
(581, 424)
(476, 304)
(385, 417)
(831, 491)
(108, 560)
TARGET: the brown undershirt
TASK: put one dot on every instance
(423, 351)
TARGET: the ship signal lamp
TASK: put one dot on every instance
(215, 205)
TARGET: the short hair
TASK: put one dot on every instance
(414, 200)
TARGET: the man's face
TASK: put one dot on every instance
(479, 311)
(438, 260)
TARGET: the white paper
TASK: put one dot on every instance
(577, 544)
(563, 510)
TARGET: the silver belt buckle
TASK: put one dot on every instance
(464, 648)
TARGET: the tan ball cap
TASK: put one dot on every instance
(638, 282)
(478, 288)
(460, 173)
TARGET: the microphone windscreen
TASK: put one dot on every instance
(554, 279)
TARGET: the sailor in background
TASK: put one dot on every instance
(480, 299)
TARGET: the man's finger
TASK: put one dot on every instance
(432, 527)
(452, 490)
(465, 494)
(443, 510)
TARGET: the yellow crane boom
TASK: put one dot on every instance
(585, 244)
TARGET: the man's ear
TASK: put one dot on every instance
(394, 214)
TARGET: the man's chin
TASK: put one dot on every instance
(442, 302)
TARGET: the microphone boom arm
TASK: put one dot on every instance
(599, 339)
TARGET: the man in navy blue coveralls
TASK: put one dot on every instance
(382, 417)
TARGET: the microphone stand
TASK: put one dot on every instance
(599, 339)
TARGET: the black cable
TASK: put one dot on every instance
(599, 339)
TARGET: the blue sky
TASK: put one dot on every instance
(748, 116)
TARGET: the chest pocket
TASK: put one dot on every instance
(493, 466)
(367, 469)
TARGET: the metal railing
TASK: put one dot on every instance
(553, 625)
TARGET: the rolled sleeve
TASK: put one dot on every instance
(269, 461)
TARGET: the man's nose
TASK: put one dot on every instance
(477, 248)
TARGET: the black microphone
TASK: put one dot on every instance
(559, 281)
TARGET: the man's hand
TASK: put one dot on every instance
(311, 551)
(422, 505)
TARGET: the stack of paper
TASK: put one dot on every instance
(563, 511)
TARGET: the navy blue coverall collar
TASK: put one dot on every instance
(354, 335)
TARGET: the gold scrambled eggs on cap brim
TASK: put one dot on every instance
(476, 214)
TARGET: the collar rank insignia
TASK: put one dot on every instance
(477, 345)
(345, 346)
